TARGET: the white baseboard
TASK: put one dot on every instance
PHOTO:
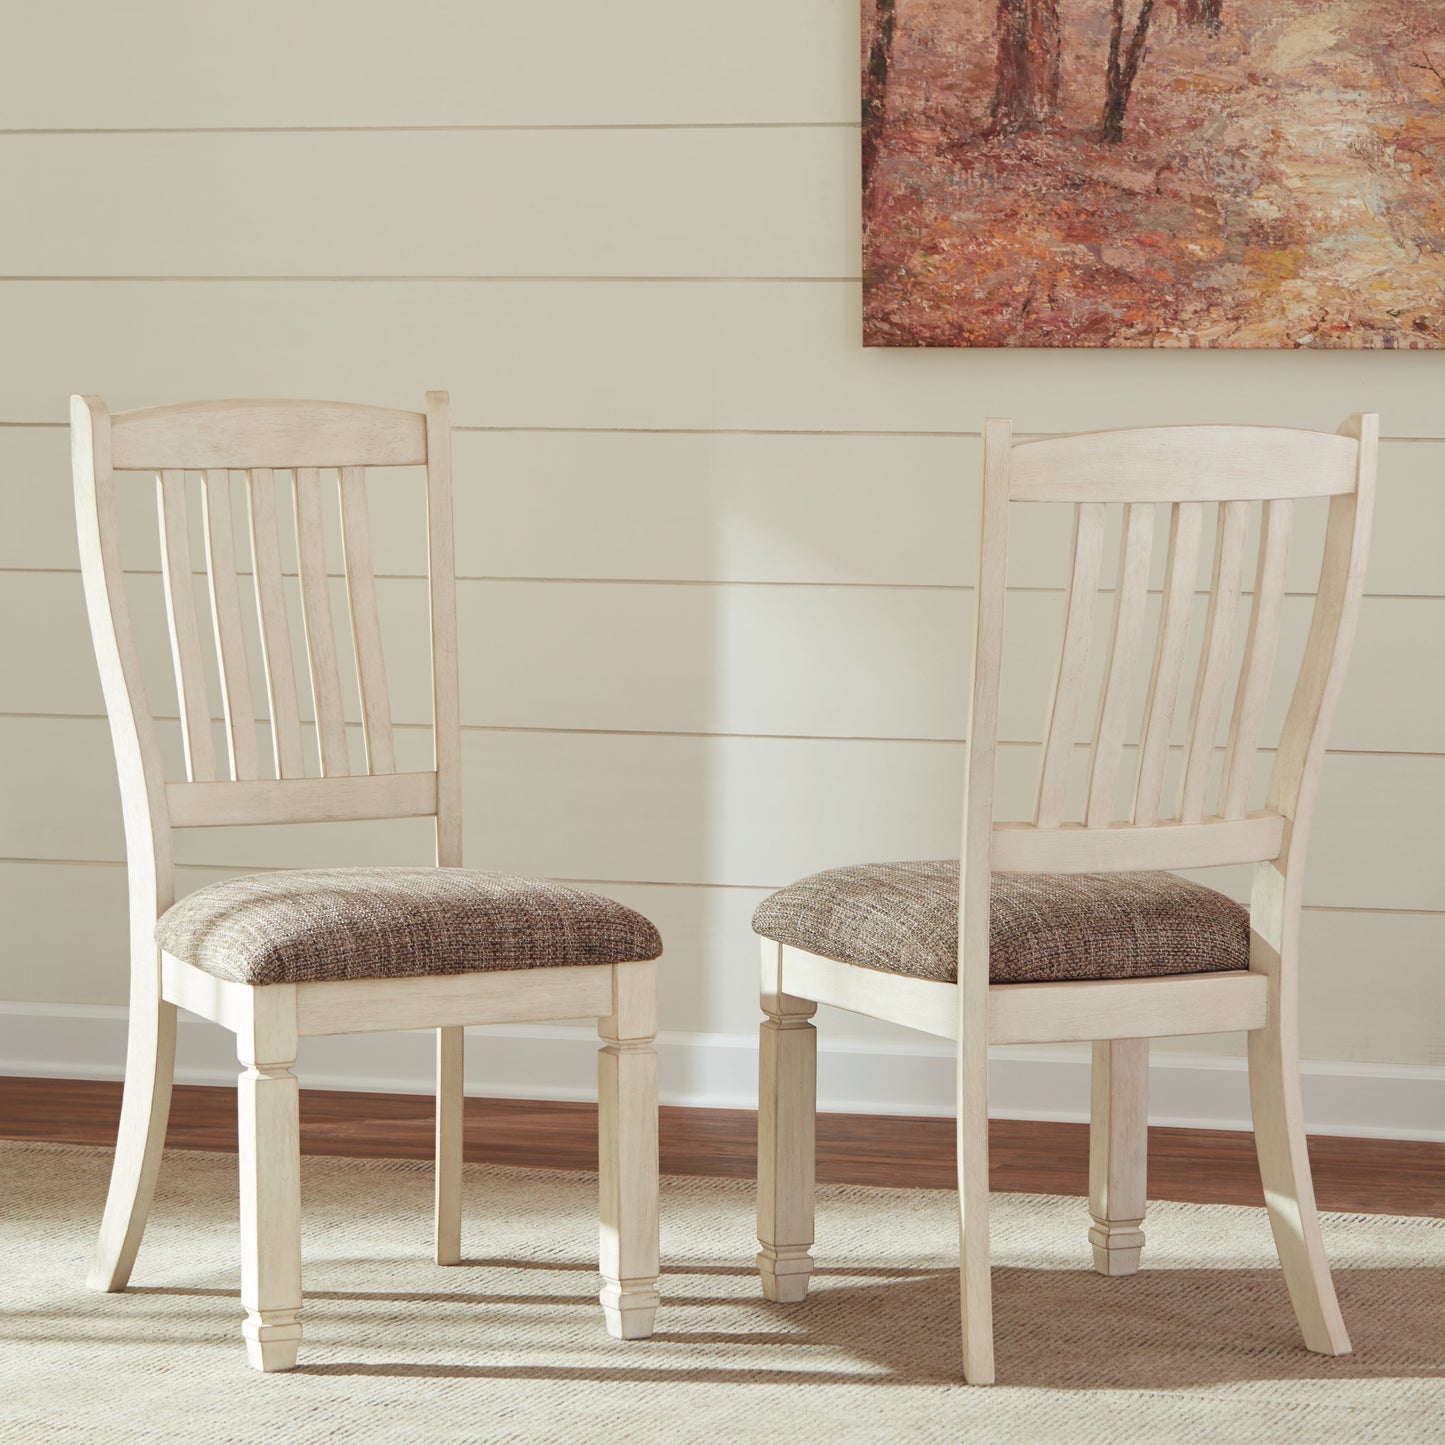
(558, 1061)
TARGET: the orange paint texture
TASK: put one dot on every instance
(1209, 173)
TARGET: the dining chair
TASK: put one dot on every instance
(1069, 926)
(279, 956)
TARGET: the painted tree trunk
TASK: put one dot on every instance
(1208, 13)
(875, 85)
(1026, 91)
(1123, 68)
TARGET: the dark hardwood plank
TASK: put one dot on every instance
(1367, 1176)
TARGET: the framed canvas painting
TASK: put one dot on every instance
(1207, 173)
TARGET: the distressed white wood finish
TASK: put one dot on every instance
(382, 1005)
(302, 800)
(1118, 1153)
(1190, 463)
(787, 1116)
(1129, 597)
(235, 670)
(627, 1151)
(1125, 1008)
(1119, 847)
(1186, 522)
(275, 624)
(366, 623)
(1068, 695)
(151, 1037)
(447, 761)
(196, 436)
(259, 437)
(450, 1138)
(446, 686)
(1213, 678)
(268, 1100)
(185, 627)
(915, 1003)
(1184, 467)
(321, 655)
(1032, 1013)
(1259, 652)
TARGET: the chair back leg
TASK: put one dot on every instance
(450, 1113)
(268, 1116)
(1119, 1153)
(627, 1152)
(1289, 1191)
(150, 1061)
(975, 1279)
(787, 1112)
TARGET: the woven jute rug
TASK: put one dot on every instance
(1199, 1346)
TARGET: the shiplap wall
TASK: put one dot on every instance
(717, 555)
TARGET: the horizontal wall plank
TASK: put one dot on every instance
(810, 661)
(438, 62)
(738, 811)
(869, 510)
(733, 202)
(644, 354)
(1371, 989)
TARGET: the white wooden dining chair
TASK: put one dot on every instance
(280, 956)
(1060, 936)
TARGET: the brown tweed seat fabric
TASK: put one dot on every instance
(1043, 927)
(348, 923)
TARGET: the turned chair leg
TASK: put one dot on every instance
(150, 1060)
(268, 1100)
(787, 1110)
(1289, 1191)
(450, 1106)
(627, 1152)
(1119, 1153)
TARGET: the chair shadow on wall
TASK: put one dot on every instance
(1057, 1329)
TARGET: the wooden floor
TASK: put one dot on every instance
(1372, 1176)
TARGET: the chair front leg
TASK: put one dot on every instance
(627, 1152)
(450, 1106)
(268, 1100)
(1119, 1153)
(787, 1113)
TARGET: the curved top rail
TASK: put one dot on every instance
(278, 434)
(1184, 464)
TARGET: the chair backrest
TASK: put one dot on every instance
(265, 449)
(1204, 819)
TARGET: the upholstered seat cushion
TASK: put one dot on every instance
(347, 923)
(1043, 927)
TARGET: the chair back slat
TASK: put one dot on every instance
(1176, 609)
(1130, 595)
(1260, 647)
(366, 622)
(1068, 692)
(321, 655)
(235, 671)
(275, 624)
(1212, 678)
(195, 707)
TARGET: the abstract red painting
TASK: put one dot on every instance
(1176, 173)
